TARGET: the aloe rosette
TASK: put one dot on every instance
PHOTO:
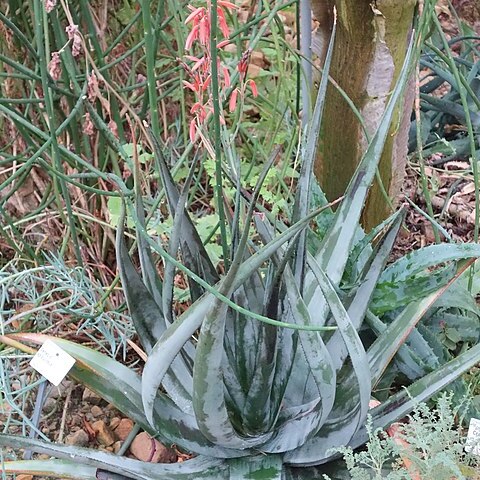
(274, 363)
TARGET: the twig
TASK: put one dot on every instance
(64, 414)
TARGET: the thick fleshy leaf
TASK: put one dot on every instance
(147, 318)
(181, 331)
(51, 468)
(387, 344)
(262, 467)
(208, 396)
(194, 255)
(348, 331)
(409, 278)
(337, 243)
(367, 282)
(150, 275)
(199, 467)
(209, 401)
(304, 420)
(120, 386)
(308, 155)
(146, 314)
(402, 403)
(173, 246)
(406, 360)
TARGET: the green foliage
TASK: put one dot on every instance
(274, 362)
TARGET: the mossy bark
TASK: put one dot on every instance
(370, 48)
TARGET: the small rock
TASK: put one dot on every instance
(124, 428)
(49, 405)
(114, 422)
(57, 392)
(104, 434)
(96, 411)
(117, 446)
(91, 397)
(78, 438)
(111, 407)
(148, 449)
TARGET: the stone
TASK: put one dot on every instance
(124, 428)
(50, 405)
(96, 411)
(103, 434)
(114, 422)
(24, 477)
(91, 397)
(117, 446)
(78, 438)
(58, 392)
(148, 449)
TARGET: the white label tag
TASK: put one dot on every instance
(473, 437)
(52, 362)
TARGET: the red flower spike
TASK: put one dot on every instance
(192, 36)
(206, 83)
(226, 77)
(189, 85)
(222, 22)
(232, 104)
(204, 32)
(253, 86)
(197, 12)
(228, 5)
(193, 130)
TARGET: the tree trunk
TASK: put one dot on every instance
(370, 48)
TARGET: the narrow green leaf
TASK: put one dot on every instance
(51, 468)
(368, 280)
(199, 467)
(119, 385)
(308, 155)
(194, 255)
(402, 403)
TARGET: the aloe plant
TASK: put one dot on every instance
(289, 343)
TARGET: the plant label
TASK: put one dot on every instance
(473, 437)
(52, 362)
